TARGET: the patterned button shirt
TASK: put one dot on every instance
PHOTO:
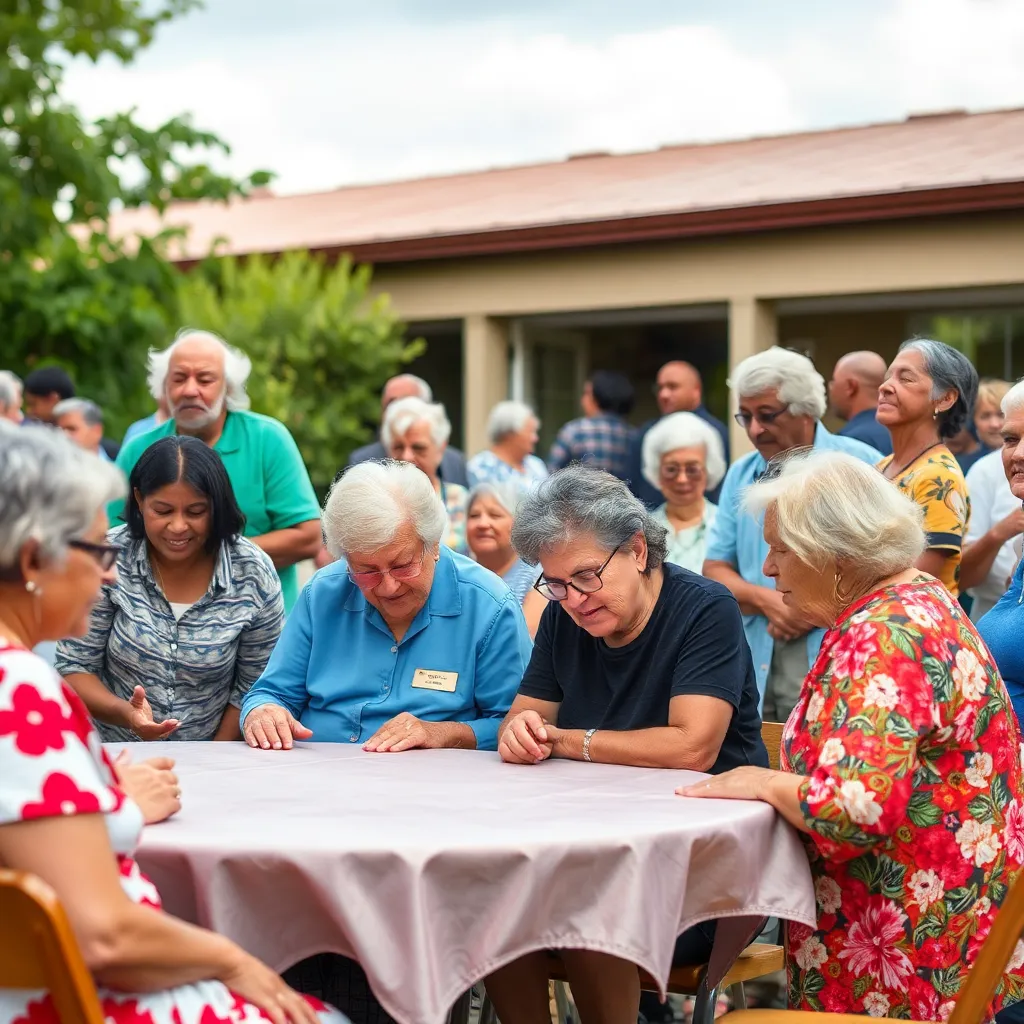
(486, 467)
(192, 668)
(602, 442)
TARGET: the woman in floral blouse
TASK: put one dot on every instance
(901, 762)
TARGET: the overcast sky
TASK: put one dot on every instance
(333, 92)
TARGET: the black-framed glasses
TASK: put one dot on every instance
(105, 554)
(375, 577)
(586, 582)
(691, 470)
(744, 419)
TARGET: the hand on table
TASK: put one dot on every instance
(783, 622)
(151, 784)
(406, 732)
(746, 783)
(272, 727)
(140, 718)
(527, 739)
(265, 988)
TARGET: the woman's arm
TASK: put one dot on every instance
(102, 704)
(230, 724)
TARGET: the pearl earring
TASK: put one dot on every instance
(30, 586)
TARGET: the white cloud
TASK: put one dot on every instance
(339, 105)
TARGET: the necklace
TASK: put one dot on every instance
(899, 472)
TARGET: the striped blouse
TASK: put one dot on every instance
(192, 667)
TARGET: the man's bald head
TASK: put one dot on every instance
(405, 385)
(855, 382)
(678, 387)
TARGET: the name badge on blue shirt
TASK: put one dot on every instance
(429, 679)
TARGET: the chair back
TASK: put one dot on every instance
(984, 976)
(38, 949)
(771, 734)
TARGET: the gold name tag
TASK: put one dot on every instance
(427, 679)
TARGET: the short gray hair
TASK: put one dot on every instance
(92, 414)
(507, 493)
(949, 370)
(683, 430)
(50, 491)
(831, 507)
(508, 418)
(237, 367)
(1014, 398)
(11, 389)
(403, 413)
(368, 504)
(424, 388)
(577, 501)
(790, 374)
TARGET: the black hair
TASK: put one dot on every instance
(49, 380)
(612, 392)
(179, 457)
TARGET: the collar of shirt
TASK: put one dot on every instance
(443, 598)
(136, 560)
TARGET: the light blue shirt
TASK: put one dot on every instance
(486, 467)
(338, 670)
(140, 427)
(737, 538)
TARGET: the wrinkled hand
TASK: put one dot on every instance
(151, 784)
(404, 732)
(746, 783)
(527, 739)
(783, 622)
(272, 727)
(140, 718)
(1011, 526)
(266, 989)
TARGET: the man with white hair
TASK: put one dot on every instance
(10, 396)
(205, 389)
(781, 399)
(82, 421)
(408, 385)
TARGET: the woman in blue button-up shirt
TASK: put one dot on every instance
(401, 643)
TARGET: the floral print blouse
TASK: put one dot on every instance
(914, 802)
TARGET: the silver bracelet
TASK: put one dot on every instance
(587, 737)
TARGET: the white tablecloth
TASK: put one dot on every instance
(432, 868)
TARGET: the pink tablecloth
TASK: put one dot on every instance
(434, 867)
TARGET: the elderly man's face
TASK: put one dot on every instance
(396, 579)
(396, 388)
(85, 436)
(196, 387)
(771, 427)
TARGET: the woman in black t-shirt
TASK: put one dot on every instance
(636, 662)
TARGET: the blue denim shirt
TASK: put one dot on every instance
(738, 538)
(339, 671)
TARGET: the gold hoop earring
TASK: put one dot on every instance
(837, 593)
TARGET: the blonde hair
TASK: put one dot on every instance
(831, 507)
(992, 391)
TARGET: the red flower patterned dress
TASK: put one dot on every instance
(52, 763)
(915, 805)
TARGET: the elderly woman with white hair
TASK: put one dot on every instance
(401, 643)
(68, 814)
(205, 387)
(683, 458)
(781, 399)
(512, 432)
(927, 397)
(417, 432)
(637, 662)
(900, 762)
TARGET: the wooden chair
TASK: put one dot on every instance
(758, 960)
(972, 1003)
(38, 949)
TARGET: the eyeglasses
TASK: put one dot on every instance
(586, 582)
(691, 470)
(373, 579)
(766, 419)
(105, 554)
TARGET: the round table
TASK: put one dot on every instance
(434, 867)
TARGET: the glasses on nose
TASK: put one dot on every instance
(586, 582)
(766, 419)
(105, 554)
(691, 470)
(374, 578)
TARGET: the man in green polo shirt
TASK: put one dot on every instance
(204, 380)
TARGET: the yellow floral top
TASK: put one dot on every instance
(935, 481)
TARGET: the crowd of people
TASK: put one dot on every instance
(635, 599)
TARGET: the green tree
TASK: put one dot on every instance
(321, 345)
(70, 293)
